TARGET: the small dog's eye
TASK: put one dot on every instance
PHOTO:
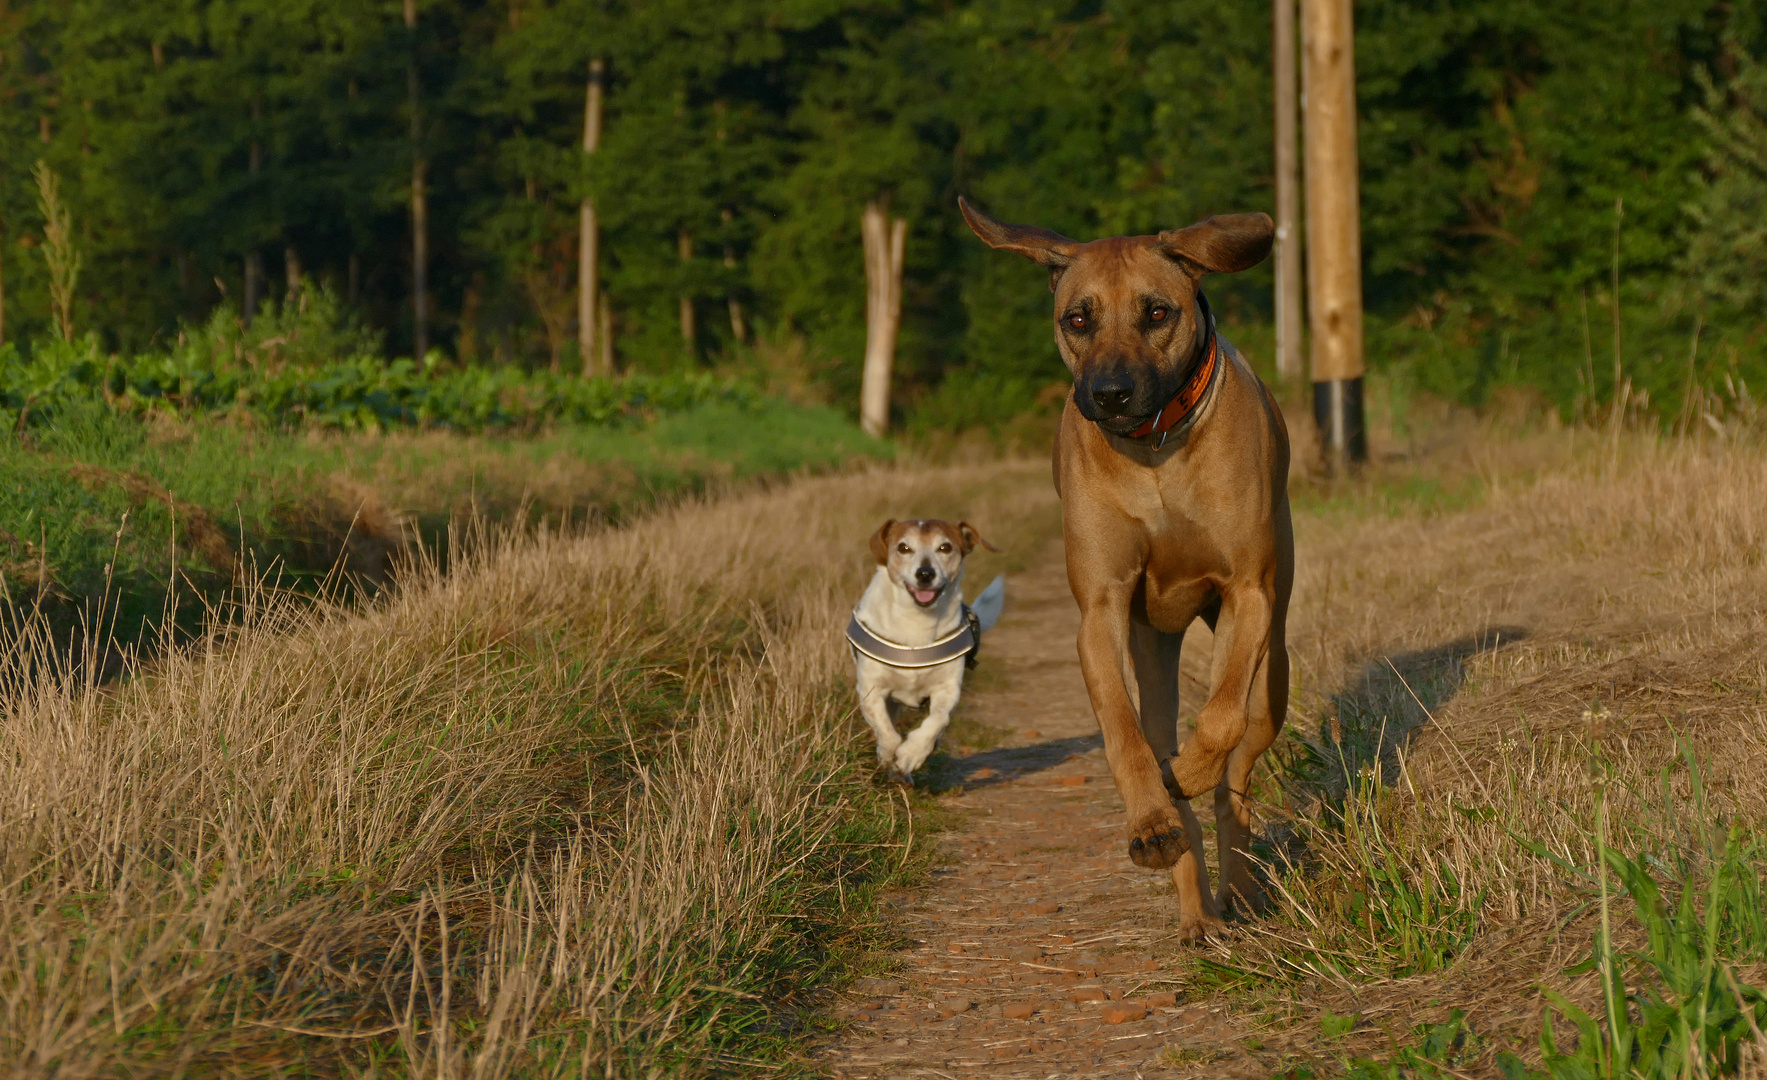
(1157, 314)
(904, 549)
(1078, 322)
(945, 549)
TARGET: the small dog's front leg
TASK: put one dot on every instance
(874, 705)
(919, 745)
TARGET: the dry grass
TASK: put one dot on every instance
(586, 805)
(1470, 688)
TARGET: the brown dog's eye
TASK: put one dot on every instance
(945, 549)
(1078, 322)
(1157, 314)
(904, 549)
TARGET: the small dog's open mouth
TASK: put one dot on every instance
(925, 597)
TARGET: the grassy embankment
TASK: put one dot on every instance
(1520, 791)
(586, 805)
(142, 506)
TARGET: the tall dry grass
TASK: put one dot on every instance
(1488, 700)
(585, 805)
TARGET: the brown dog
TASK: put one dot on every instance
(1172, 466)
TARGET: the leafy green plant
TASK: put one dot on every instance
(222, 371)
(1436, 1055)
(1690, 1015)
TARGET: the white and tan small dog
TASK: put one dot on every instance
(913, 636)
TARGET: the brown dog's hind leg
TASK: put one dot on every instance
(1233, 812)
(1198, 915)
(1157, 837)
(1156, 655)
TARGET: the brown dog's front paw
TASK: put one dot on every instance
(1159, 842)
(1193, 929)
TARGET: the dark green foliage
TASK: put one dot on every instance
(1498, 141)
(357, 393)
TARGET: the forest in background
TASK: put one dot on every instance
(1566, 196)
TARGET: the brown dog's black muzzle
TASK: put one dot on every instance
(1119, 398)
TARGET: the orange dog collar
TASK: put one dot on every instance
(1185, 401)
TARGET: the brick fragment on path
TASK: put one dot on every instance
(1018, 1010)
(1033, 733)
(1075, 781)
(1088, 993)
(1126, 1013)
(1047, 907)
(1161, 1001)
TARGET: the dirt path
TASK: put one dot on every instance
(1036, 950)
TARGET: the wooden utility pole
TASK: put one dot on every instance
(589, 238)
(1334, 236)
(1288, 195)
(419, 201)
(885, 244)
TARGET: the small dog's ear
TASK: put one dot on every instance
(1045, 248)
(880, 542)
(972, 537)
(1224, 244)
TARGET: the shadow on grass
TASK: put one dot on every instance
(1372, 721)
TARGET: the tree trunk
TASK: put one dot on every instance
(606, 320)
(739, 328)
(885, 244)
(254, 261)
(689, 321)
(1288, 210)
(2, 285)
(291, 261)
(419, 201)
(1334, 240)
(589, 238)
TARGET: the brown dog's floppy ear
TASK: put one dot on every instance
(880, 542)
(971, 537)
(1224, 244)
(1041, 246)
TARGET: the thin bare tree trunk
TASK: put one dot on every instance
(1288, 208)
(689, 320)
(2, 284)
(1334, 235)
(254, 260)
(885, 245)
(606, 318)
(419, 201)
(589, 238)
(739, 328)
(291, 261)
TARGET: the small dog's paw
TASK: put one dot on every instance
(1195, 928)
(911, 756)
(1158, 840)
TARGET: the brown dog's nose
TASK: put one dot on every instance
(925, 575)
(1112, 393)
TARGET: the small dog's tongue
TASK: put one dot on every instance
(925, 596)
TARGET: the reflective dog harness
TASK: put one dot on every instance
(965, 641)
